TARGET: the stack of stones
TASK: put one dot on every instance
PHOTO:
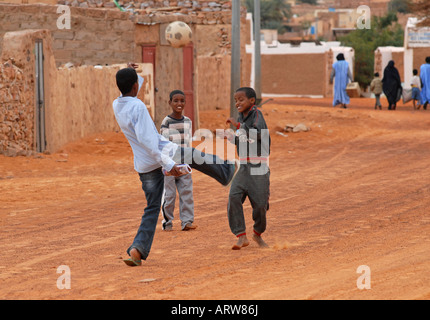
(200, 5)
(162, 11)
(16, 112)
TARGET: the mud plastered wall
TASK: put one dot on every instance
(78, 100)
(294, 74)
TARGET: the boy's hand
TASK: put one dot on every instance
(175, 171)
(232, 121)
(230, 135)
(132, 65)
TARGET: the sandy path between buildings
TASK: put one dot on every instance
(352, 191)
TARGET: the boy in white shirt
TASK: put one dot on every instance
(152, 153)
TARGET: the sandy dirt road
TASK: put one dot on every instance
(352, 191)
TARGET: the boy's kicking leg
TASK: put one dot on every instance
(223, 171)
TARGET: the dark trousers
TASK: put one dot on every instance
(153, 186)
(255, 186)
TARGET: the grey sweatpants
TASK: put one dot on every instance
(257, 188)
(184, 185)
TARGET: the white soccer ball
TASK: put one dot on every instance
(178, 34)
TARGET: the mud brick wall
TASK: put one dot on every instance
(377, 7)
(96, 36)
(399, 63)
(419, 57)
(294, 74)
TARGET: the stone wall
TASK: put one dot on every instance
(16, 110)
(17, 91)
(186, 6)
(95, 37)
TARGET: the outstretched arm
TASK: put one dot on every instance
(139, 78)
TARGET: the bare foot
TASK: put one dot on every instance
(242, 241)
(135, 258)
(259, 241)
(135, 254)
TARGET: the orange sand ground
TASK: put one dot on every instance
(352, 191)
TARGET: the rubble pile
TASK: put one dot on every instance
(16, 114)
(159, 11)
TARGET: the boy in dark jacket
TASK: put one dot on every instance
(253, 146)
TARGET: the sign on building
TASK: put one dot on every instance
(416, 37)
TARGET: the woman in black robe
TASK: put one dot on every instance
(392, 85)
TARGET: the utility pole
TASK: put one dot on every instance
(257, 52)
(235, 55)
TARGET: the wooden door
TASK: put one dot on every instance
(40, 98)
(148, 56)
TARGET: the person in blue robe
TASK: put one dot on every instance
(342, 75)
(425, 83)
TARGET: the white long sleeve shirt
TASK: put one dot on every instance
(150, 149)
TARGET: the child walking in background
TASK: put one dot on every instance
(376, 88)
(416, 90)
(253, 179)
(178, 128)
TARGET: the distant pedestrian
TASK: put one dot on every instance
(391, 85)
(343, 75)
(425, 81)
(376, 88)
(416, 90)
